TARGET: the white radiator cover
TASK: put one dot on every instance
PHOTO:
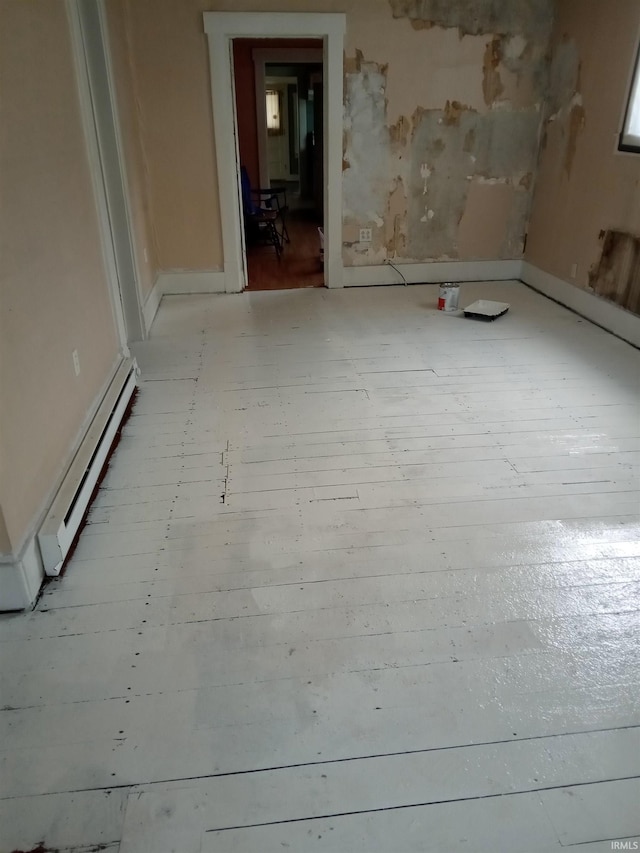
(59, 529)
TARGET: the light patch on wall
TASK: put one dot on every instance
(367, 143)
(576, 123)
(485, 220)
(396, 220)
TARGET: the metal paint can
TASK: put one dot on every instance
(448, 297)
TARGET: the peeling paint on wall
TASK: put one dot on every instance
(415, 176)
(564, 101)
(422, 181)
(367, 145)
(563, 76)
(497, 147)
(617, 274)
(528, 18)
(492, 86)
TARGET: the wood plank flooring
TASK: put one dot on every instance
(299, 265)
(362, 576)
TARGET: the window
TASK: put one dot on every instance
(274, 112)
(630, 136)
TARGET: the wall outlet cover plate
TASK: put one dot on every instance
(485, 309)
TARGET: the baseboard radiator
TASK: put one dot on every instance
(70, 505)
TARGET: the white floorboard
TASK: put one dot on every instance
(362, 576)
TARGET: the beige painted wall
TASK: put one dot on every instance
(53, 292)
(5, 542)
(402, 71)
(583, 185)
(143, 235)
(169, 64)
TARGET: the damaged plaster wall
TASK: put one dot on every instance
(586, 191)
(442, 118)
(463, 75)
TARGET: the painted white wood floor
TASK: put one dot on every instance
(362, 577)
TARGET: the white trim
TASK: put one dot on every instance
(95, 167)
(432, 272)
(221, 28)
(69, 506)
(261, 56)
(21, 574)
(150, 307)
(123, 162)
(178, 283)
(600, 311)
(190, 282)
(21, 578)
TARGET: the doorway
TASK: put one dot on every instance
(224, 28)
(279, 109)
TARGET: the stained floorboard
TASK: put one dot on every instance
(361, 577)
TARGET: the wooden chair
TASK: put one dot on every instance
(264, 214)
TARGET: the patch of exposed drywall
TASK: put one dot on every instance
(409, 182)
(528, 18)
(564, 102)
(366, 151)
(492, 86)
(616, 276)
(454, 148)
(425, 170)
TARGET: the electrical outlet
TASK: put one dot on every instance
(366, 235)
(76, 362)
(574, 270)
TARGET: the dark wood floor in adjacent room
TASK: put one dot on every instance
(299, 264)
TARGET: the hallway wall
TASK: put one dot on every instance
(144, 237)
(584, 185)
(53, 287)
(442, 120)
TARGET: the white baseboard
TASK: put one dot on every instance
(180, 282)
(600, 311)
(22, 573)
(432, 272)
(199, 281)
(151, 306)
(21, 578)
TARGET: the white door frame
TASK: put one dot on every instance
(283, 56)
(124, 289)
(221, 28)
(93, 154)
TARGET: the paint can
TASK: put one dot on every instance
(448, 297)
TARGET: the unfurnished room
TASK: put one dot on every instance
(319, 426)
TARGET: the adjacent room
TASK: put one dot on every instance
(296, 553)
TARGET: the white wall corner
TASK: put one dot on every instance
(21, 578)
(432, 272)
(611, 317)
(177, 282)
(151, 305)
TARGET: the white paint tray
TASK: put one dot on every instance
(485, 309)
